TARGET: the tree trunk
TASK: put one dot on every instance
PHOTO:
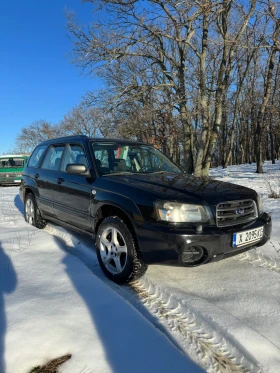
(272, 150)
(242, 154)
(272, 146)
(215, 132)
(241, 82)
(187, 142)
(260, 120)
(203, 99)
(259, 158)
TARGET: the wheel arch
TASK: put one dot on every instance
(111, 209)
(27, 191)
(137, 264)
(27, 186)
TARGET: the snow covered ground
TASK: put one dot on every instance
(51, 304)
(245, 175)
(54, 300)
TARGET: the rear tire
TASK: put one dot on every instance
(117, 251)
(32, 214)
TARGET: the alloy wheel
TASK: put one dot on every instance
(113, 250)
(29, 211)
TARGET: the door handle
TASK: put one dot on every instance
(60, 180)
(37, 176)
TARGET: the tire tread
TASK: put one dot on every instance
(139, 267)
(39, 222)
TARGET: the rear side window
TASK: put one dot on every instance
(74, 154)
(34, 160)
(52, 158)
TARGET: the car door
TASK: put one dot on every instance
(46, 178)
(73, 192)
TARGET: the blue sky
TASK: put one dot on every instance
(37, 81)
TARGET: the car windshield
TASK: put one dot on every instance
(112, 157)
(11, 162)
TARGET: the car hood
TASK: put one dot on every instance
(186, 187)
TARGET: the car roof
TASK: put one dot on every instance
(93, 139)
(14, 156)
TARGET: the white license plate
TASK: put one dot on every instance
(17, 181)
(244, 238)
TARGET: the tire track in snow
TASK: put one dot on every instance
(258, 259)
(70, 241)
(214, 349)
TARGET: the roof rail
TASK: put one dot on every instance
(66, 137)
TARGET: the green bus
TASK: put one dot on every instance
(11, 167)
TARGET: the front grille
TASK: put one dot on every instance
(236, 212)
(11, 174)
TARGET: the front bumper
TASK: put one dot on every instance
(161, 243)
(10, 180)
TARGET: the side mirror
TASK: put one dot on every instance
(76, 169)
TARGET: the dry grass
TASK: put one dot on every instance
(274, 195)
(52, 366)
(271, 193)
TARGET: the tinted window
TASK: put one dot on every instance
(135, 158)
(52, 158)
(102, 160)
(36, 156)
(74, 154)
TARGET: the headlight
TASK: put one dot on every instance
(260, 208)
(182, 212)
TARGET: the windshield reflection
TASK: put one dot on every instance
(114, 158)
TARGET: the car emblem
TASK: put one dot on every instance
(239, 211)
(7, 175)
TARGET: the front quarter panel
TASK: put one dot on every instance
(122, 202)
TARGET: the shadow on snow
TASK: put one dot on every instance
(8, 283)
(125, 347)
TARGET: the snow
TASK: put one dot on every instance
(222, 316)
(52, 304)
(245, 175)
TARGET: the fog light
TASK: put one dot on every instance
(193, 255)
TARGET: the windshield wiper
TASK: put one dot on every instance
(163, 172)
(138, 173)
(121, 173)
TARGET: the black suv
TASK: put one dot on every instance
(139, 205)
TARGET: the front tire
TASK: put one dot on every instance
(32, 214)
(117, 251)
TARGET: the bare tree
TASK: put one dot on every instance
(271, 55)
(230, 39)
(179, 74)
(157, 31)
(82, 120)
(140, 105)
(35, 133)
(274, 113)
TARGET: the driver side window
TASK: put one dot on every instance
(142, 159)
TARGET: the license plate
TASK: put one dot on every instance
(244, 238)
